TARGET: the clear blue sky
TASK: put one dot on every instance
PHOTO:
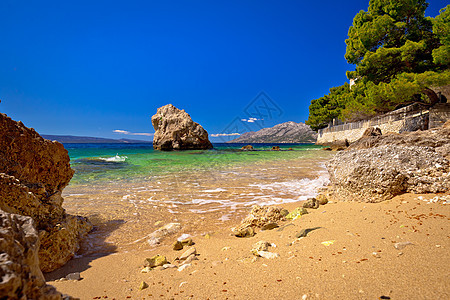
(92, 67)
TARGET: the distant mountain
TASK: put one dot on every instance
(289, 132)
(88, 140)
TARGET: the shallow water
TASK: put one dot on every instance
(126, 191)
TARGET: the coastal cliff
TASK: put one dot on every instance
(288, 132)
(33, 174)
(175, 130)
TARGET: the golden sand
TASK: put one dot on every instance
(358, 262)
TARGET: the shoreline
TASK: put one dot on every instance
(346, 269)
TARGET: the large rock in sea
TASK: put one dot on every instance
(175, 130)
(33, 173)
(20, 276)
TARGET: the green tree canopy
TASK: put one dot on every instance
(399, 54)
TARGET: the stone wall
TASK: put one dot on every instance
(439, 114)
(411, 118)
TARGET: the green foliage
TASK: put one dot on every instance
(441, 28)
(325, 109)
(399, 54)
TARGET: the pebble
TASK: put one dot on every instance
(143, 285)
(376, 254)
(187, 253)
(146, 270)
(261, 246)
(401, 245)
(73, 276)
(267, 254)
(181, 268)
(155, 261)
(168, 266)
(177, 246)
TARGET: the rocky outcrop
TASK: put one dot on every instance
(175, 130)
(437, 138)
(33, 173)
(288, 132)
(20, 276)
(380, 173)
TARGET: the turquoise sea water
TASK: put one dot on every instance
(129, 190)
(107, 162)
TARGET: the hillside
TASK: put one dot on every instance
(88, 140)
(289, 132)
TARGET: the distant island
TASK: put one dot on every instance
(288, 132)
(70, 139)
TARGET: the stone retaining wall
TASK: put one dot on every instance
(410, 118)
(439, 114)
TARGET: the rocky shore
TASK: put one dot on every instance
(365, 236)
(379, 167)
(33, 174)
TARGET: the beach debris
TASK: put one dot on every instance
(304, 297)
(267, 254)
(155, 261)
(187, 253)
(225, 248)
(143, 285)
(304, 232)
(384, 297)
(296, 213)
(146, 270)
(328, 243)
(73, 276)
(311, 203)
(402, 245)
(181, 284)
(270, 226)
(184, 266)
(177, 245)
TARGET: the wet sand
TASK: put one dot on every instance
(361, 263)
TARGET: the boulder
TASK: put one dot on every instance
(380, 173)
(276, 148)
(33, 173)
(20, 276)
(247, 148)
(259, 217)
(175, 130)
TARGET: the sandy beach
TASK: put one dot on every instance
(360, 260)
